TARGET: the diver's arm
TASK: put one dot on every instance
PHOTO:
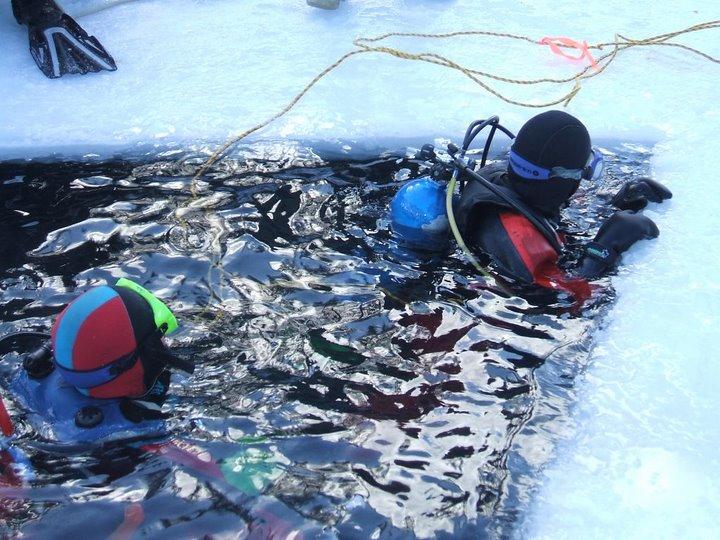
(623, 229)
(516, 246)
(57, 43)
(616, 235)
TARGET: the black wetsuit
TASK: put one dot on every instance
(525, 246)
(520, 249)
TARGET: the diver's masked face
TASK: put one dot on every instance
(549, 157)
(545, 189)
(547, 197)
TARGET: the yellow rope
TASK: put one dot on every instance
(366, 45)
(449, 192)
(620, 43)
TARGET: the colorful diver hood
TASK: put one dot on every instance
(549, 142)
(100, 340)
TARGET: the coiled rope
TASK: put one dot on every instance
(363, 45)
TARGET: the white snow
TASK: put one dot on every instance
(192, 70)
(644, 459)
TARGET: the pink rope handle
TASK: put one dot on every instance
(584, 53)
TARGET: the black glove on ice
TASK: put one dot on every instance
(57, 43)
(636, 194)
(616, 235)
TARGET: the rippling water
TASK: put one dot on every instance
(345, 387)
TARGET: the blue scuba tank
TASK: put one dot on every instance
(418, 217)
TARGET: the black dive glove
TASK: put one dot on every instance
(636, 194)
(57, 43)
(616, 235)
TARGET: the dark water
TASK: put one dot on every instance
(345, 387)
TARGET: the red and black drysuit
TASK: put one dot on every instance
(519, 248)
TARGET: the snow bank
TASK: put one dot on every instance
(200, 70)
(644, 461)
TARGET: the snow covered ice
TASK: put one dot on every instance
(642, 460)
(206, 69)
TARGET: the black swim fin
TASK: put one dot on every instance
(58, 44)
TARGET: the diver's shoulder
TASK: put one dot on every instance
(496, 171)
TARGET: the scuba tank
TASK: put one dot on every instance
(417, 215)
(420, 206)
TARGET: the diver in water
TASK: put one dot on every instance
(510, 211)
(105, 369)
(57, 43)
(549, 157)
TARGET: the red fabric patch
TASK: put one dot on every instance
(104, 336)
(6, 424)
(553, 277)
(129, 384)
(534, 250)
(540, 258)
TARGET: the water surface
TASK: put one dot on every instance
(345, 385)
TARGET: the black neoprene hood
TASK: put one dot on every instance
(550, 139)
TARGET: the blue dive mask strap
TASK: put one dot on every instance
(529, 171)
(526, 169)
(102, 375)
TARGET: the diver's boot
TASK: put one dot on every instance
(57, 43)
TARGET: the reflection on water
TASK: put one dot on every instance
(345, 387)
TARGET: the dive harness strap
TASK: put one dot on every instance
(449, 191)
(540, 223)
